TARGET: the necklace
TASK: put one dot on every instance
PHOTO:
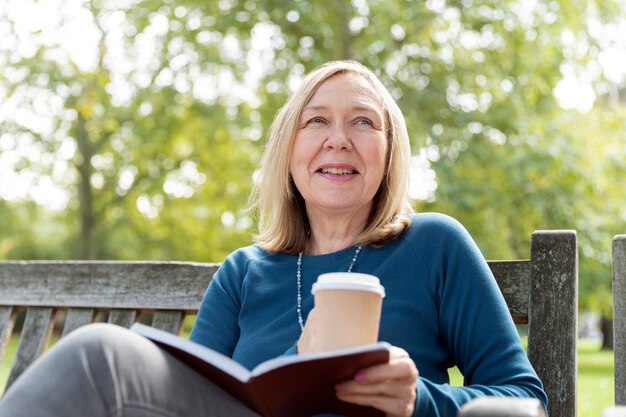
(299, 282)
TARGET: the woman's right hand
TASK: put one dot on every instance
(306, 343)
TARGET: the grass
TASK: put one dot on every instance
(595, 376)
(5, 365)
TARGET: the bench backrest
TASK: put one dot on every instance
(619, 317)
(86, 290)
(541, 291)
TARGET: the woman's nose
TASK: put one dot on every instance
(338, 138)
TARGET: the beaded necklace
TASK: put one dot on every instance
(299, 282)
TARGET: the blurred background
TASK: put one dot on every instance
(131, 129)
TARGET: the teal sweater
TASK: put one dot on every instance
(442, 306)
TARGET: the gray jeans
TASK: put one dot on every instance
(103, 370)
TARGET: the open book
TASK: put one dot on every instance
(287, 386)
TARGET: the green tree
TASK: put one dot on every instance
(142, 144)
(168, 122)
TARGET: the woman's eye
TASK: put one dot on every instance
(316, 120)
(363, 121)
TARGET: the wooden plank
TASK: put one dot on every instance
(77, 317)
(7, 321)
(170, 321)
(619, 317)
(553, 326)
(97, 284)
(124, 318)
(513, 278)
(33, 340)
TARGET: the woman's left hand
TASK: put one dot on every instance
(389, 387)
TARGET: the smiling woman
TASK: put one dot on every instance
(339, 158)
(338, 105)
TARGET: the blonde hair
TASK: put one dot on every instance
(283, 223)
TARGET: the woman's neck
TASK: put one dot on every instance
(333, 233)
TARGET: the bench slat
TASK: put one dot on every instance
(619, 317)
(7, 320)
(136, 285)
(513, 278)
(170, 321)
(123, 317)
(77, 317)
(33, 340)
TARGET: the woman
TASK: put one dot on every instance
(332, 196)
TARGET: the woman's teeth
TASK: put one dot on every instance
(337, 171)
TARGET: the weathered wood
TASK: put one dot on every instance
(170, 321)
(33, 340)
(619, 317)
(123, 317)
(77, 317)
(138, 285)
(513, 278)
(7, 320)
(553, 327)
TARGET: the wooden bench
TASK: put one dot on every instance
(540, 291)
(88, 290)
(619, 317)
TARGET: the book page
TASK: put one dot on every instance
(171, 341)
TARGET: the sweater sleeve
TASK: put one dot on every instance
(477, 329)
(216, 325)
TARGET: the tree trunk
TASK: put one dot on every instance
(606, 325)
(85, 192)
(346, 38)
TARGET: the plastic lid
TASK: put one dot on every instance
(348, 281)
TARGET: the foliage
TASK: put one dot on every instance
(155, 137)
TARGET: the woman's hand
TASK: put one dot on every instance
(306, 343)
(389, 387)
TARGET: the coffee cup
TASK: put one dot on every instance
(348, 307)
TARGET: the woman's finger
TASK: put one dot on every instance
(402, 368)
(393, 406)
(388, 387)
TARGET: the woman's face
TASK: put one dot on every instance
(340, 150)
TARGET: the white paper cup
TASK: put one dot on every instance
(348, 307)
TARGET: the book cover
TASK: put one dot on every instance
(287, 386)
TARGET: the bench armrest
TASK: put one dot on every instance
(504, 407)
